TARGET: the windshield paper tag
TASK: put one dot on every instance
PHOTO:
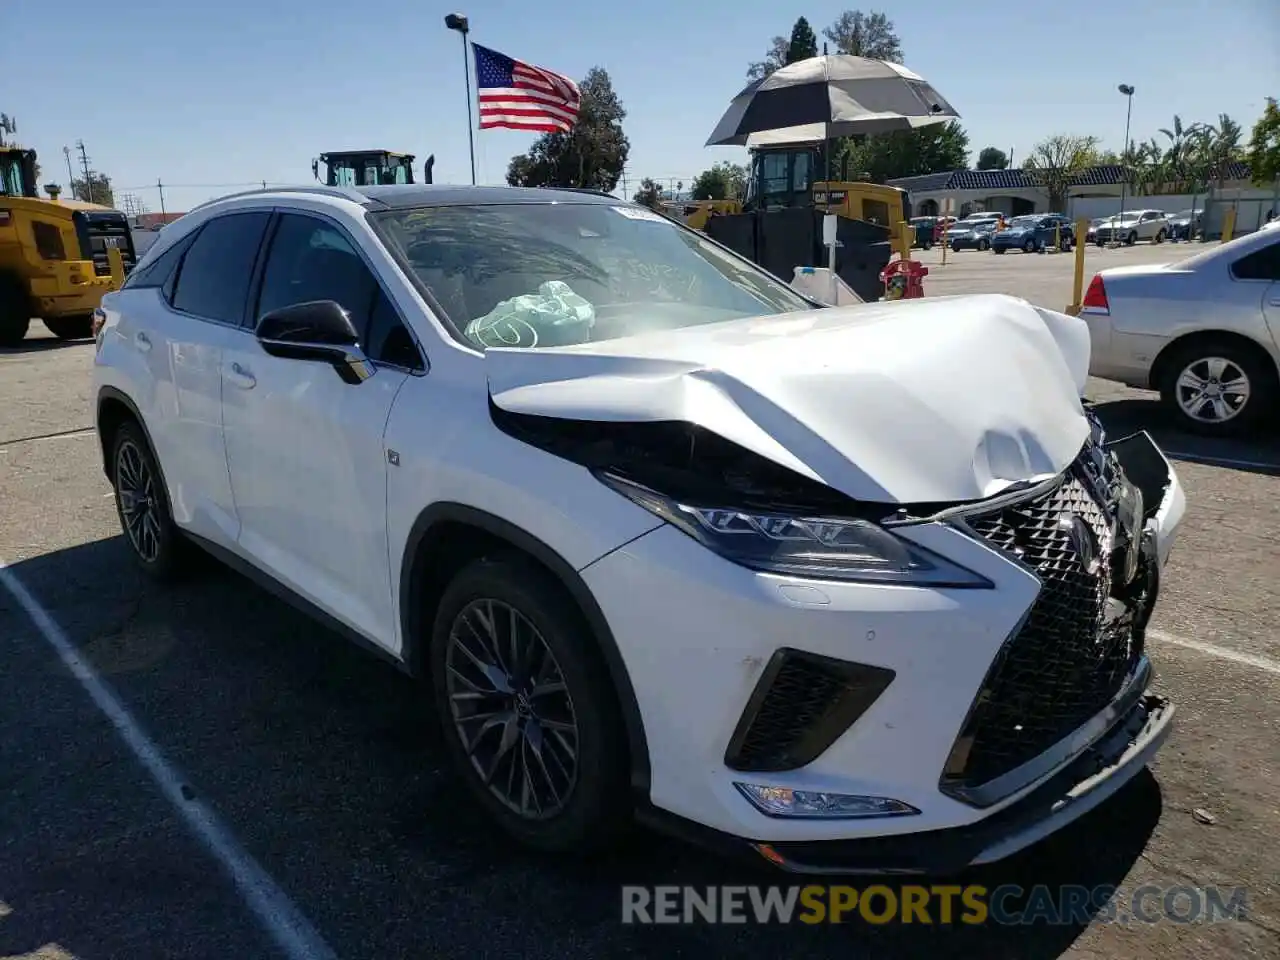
(640, 213)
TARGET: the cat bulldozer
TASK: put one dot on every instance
(367, 168)
(778, 223)
(58, 258)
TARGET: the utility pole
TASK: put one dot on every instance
(84, 161)
(160, 187)
(66, 155)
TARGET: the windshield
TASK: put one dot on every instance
(551, 274)
(10, 176)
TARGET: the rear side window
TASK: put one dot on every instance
(160, 269)
(213, 280)
(1262, 264)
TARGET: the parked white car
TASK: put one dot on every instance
(1201, 331)
(1135, 225)
(662, 535)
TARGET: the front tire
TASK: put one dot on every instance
(70, 328)
(1029, 246)
(1160, 237)
(142, 504)
(1218, 389)
(528, 709)
(983, 245)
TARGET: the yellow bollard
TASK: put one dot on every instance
(1229, 225)
(1077, 288)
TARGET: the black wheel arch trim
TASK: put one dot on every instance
(413, 629)
(119, 396)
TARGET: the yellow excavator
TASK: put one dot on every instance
(57, 257)
(778, 223)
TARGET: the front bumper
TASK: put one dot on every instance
(696, 658)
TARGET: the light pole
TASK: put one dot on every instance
(456, 21)
(1127, 90)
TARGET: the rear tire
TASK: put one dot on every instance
(1029, 246)
(1130, 240)
(70, 328)
(580, 764)
(15, 311)
(1160, 237)
(983, 245)
(142, 504)
(1232, 364)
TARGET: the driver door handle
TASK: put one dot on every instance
(241, 377)
(142, 341)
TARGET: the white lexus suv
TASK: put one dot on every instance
(857, 588)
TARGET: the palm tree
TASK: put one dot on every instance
(1183, 142)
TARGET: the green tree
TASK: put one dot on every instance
(1264, 146)
(590, 155)
(993, 158)
(724, 181)
(774, 57)
(1055, 162)
(910, 153)
(804, 42)
(96, 190)
(869, 34)
(649, 194)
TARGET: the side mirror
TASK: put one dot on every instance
(319, 330)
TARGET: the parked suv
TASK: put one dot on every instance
(1135, 225)
(1034, 233)
(660, 535)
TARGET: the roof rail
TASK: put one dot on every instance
(345, 193)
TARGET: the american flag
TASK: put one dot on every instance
(520, 96)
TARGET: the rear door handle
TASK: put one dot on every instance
(142, 341)
(241, 377)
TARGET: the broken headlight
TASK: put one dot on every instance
(802, 546)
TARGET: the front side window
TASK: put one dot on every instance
(549, 274)
(312, 260)
(213, 279)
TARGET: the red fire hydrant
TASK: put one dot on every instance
(904, 279)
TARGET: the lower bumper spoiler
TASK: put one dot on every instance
(1090, 779)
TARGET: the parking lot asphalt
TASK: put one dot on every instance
(322, 765)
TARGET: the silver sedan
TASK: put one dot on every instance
(1202, 331)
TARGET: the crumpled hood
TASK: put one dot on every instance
(939, 399)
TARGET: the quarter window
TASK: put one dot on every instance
(213, 280)
(1262, 264)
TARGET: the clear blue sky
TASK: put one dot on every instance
(248, 90)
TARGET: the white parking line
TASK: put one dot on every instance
(284, 922)
(1265, 664)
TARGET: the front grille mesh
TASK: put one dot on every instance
(803, 703)
(1064, 665)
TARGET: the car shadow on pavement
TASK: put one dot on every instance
(327, 764)
(42, 345)
(1255, 454)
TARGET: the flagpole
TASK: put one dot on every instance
(456, 21)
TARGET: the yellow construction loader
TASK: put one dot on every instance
(777, 224)
(57, 257)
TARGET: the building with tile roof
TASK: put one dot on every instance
(1015, 192)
